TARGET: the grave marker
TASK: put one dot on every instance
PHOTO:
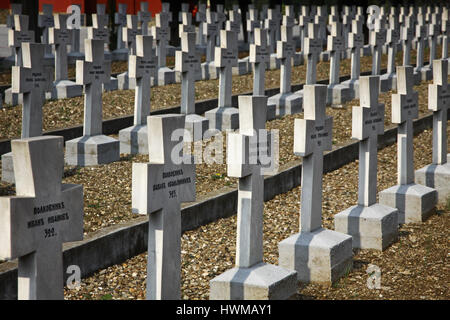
(355, 43)
(129, 34)
(161, 33)
(120, 20)
(46, 21)
(424, 74)
(16, 8)
(144, 17)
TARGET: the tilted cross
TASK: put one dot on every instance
(142, 66)
(210, 31)
(32, 79)
(158, 189)
(120, 19)
(93, 72)
(42, 216)
(439, 103)
(61, 37)
(187, 61)
(225, 58)
(18, 36)
(367, 124)
(259, 56)
(129, 33)
(161, 33)
(312, 136)
(243, 157)
(144, 17)
(405, 108)
(335, 44)
(312, 48)
(285, 52)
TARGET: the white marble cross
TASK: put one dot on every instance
(187, 61)
(16, 8)
(243, 163)
(367, 124)
(44, 214)
(259, 56)
(312, 136)
(377, 40)
(356, 42)
(32, 79)
(144, 17)
(129, 33)
(158, 189)
(19, 35)
(142, 66)
(120, 19)
(161, 33)
(288, 17)
(210, 31)
(285, 52)
(46, 21)
(439, 103)
(405, 108)
(335, 44)
(93, 72)
(312, 47)
(225, 58)
(61, 37)
(165, 13)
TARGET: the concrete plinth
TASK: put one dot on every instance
(8, 168)
(112, 85)
(322, 256)
(92, 150)
(259, 282)
(134, 140)
(337, 94)
(165, 76)
(209, 71)
(196, 125)
(13, 98)
(286, 103)
(298, 59)
(324, 56)
(415, 202)
(374, 227)
(388, 82)
(242, 67)
(66, 89)
(124, 82)
(353, 85)
(436, 177)
(72, 57)
(274, 62)
(425, 73)
(223, 118)
(120, 54)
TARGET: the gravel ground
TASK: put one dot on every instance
(416, 267)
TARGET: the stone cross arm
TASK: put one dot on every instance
(144, 62)
(20, 33)
(187, 59)
(439, 91)
(94, 69)
(259, 51)
(45, 20)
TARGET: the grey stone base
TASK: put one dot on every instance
(374, 227)
(165, 76)
(66, 89)
(125, 83)
(13, 98)
(338, 94)
(134, 140)
(322, 256)
(72, 57)
(388, 82)
(425, 73)
(271, 111)
(324, 56)
(353, 85)
(366, 50)
(120, 54)
(259, 282)
(209, 71)
(196, 125)
(274, 62)
(242, 67)
(112, 85)
(286, 103)
(436, 177)
(415, 202)
(298, 59)
(223, 118)
(8, 168)
(92, 150)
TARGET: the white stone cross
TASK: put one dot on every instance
(392, 37)
(221, 18)
(285, 52)
(161, 33)
(406, 35)
(377, 40)
(421, 35)
(93, 72)
(46, 21)
(200, 17)
(18, 36)
(16, 8)
(158, 189)
(120, 19)
(312, 136)
(305, 18)
(165, 13)
(356, 42)
(259, 56)
(235, 20)
(142, 68)
(225, 58)
(210, 31)
(32, 79)
(335, 45)
(186, 23)
(187, 61)
(129, 33)
(271, 25)
(252, 23)
(184, 9)
(367, 124)
(144, 17)
(44, 214)
(312, 47)
(99, 29)
(405, 108)
(439, 103)
(445, 27)
(433, 33)
(288, 17)
(61, 37)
